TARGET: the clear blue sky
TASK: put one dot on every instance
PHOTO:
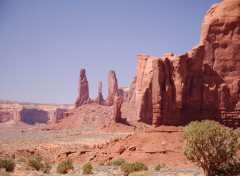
(44, 43)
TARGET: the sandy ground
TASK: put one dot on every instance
(132, 142)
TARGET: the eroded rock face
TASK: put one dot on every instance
(199, 84)
(221, 37)
(112, 88)
(83, 91)
(117, 115)
(144, 88)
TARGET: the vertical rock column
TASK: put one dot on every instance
(112, 87)
(156, 92)
(83, 91)
(143, 89)
(117, 115)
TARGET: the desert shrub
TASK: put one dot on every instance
(87, 168)
(101, 163)
(116, 162)
(8, 165)
(35, 162)
(212, 147)
(46, 167)
(65, 166)
(133, 167)
(159, 167)
(39, 163)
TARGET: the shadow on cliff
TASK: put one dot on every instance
(213, 100)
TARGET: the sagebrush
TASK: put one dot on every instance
(39, 163)
(8, 165)
(87, 168)
(133, 167)
(65, 166)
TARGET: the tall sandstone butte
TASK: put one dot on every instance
(199, 84)
(83, 91)
(112, 88)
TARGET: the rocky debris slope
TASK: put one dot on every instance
(199, 84)
(31, 113)
(163, 144)
(89, 115)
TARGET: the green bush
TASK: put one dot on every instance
(116, 162)
(87, 168)
(159, 167)
(133, 167)
(39, 163)
(35, 162)
(212, 147)
(65, 166)
(8, 165)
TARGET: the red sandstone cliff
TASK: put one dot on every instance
(199, 84)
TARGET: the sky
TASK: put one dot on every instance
(45, 43)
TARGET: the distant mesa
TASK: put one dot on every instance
(32, 113)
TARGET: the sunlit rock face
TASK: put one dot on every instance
(112, 88)
(83, 90)
(199, 84)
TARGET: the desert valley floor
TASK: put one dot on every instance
(161, 145)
